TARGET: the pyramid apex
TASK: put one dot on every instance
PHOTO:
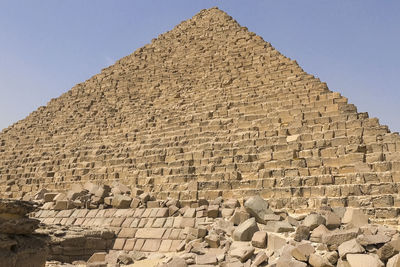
(214, 12)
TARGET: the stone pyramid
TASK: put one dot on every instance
(208, 109)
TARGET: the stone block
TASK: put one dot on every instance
(121, 202)
(259, 239)
(147, 233)
(151, 245)
(245, 231)
(257, 207)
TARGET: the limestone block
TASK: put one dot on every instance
(317, 233)
(355, 217)
(363, 260)
(242, 253)
(316, 260)
(302, 252)
(121, 201)
(258, 208)
(48, 197)
(338, 237)
(206, 259)
(278, 227)
(239, 216)
(275, 242)
(97, 257)
(314, 220)
(259, 239)
(394, 261)
(350, 247)
(302, 233)
(245, 231)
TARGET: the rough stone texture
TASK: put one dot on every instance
(314, 220)
(363, 260)
(19, 245)
(394, 261)
(245, 231)
(258, 208)
(350, 247)
(302, 232)
(207, 109)
(259, 239)
(338, 237)
(355, 217)
(302, 252)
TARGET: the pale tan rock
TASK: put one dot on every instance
(278, 226)
(239, 216)
(121, 201)
(350, 247)
(363, 260)
(213, 211)
(316, 260)
(394, 261)
(206, 259)
(302, 252)
(302, 233)
(242, 253)
(97, 257)
(317, 233)
(260, 258)
(355, 217)
(275, 242)
(314, 220)
(48, 197)
(212, 240)
(257, 207)
(339, 236)
(259, 239)
(245, 231)
(366, 240)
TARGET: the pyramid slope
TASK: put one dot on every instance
(207, 109)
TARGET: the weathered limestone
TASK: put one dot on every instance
(179, 120)
(201, 240)
(246, 230)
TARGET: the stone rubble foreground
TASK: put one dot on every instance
(222, 232)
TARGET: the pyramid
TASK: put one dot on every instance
(208, 109)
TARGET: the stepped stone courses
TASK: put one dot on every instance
(208, 109)
(210, 143)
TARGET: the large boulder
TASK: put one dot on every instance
(363, 260)
(121, 201)
(350, 247)
(339, 236)
(246, 230)
(314, 220)
(355, 217)
(258, 208)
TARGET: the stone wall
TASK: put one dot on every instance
(208, 109)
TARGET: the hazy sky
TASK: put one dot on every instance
(48, 46)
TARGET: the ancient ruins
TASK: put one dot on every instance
(206, 147)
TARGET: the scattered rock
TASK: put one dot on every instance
(245, 231)
(258, 208)
(355, 217)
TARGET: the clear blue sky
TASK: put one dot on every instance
(48, 46)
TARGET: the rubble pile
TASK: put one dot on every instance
(329, 237)
(92, 196)
(230, 234)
